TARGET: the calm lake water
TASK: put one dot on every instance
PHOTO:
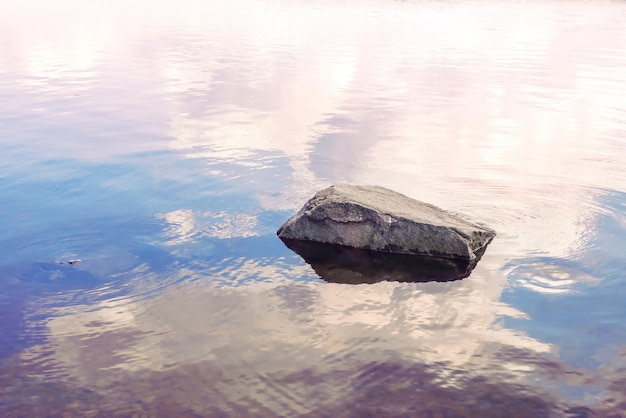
(162, 144)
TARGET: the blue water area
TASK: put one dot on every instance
(149, 151)
(106, 217)
(593, 302)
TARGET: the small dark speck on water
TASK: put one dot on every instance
(70, 262)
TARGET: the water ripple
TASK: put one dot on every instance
(550, 275)
(77, 267)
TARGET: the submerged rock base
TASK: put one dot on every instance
(341, 264)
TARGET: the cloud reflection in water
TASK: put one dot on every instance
(186, 225)
(257, 337)
(512, 115)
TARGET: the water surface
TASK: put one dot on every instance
(162, 144)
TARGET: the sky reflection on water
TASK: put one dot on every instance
(163, 145)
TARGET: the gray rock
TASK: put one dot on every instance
(379, 219)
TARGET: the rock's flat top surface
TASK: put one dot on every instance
(388, 202)
(375, 218)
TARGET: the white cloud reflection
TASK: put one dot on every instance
(258, 329)
(497, 130)
(493, 105)
(186, 225)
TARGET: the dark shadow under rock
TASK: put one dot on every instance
(341, 264)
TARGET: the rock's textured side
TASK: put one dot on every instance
(379, 219)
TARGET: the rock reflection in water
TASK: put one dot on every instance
(340, 264)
